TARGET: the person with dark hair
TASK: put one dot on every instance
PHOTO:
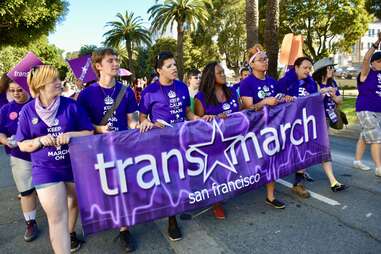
(215, 99)
(243, 73)
(193, 82)
(4, 84)
(98, 100)
(298, 82)
(20, 162)
(165, 102)
(368, 103)
(324, 70)
(259, 90)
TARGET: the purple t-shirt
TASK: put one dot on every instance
(258, 89)
(52, 164)
(369, 98)
(9, 117)
(291, 85)
(168, 103)
(227, 107)
(329, 103)
(97, 100)
(3, 99)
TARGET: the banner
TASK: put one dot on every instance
(82, 68)
(127, 178)
(19, 73)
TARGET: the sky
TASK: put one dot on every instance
(85, 22)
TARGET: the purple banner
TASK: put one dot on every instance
(127, 178)
(19, 73)
(82, 68)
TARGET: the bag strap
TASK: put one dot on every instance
(116, 104)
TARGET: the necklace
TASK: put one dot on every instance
(108, 99)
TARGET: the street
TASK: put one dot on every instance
(347, 222)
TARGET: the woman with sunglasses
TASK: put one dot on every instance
(165, 102)
(368, 103)
(20, 161)
(46, 126)
(324, 71)
(258, 90)
(215, 99)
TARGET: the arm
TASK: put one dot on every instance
(4, 139)
(64, 138)
(190, 115)
(365, 68)
(131, 120)
(100, 129)
(145, 123)
(200, 111)
(248, 103)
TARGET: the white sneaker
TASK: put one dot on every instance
(360, 165)
(378, 172)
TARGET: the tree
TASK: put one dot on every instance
(252, 22)
(328, 26)
(187, 14)
(48, 53)
(24, 21)
(162, 44)
(127, 29)
(271, 36)
(374, 7)
(86, 50)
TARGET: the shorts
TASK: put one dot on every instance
(22, 174)
(371, 126)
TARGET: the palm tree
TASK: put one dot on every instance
(271, 35)
(186, 13)
(252, 20)
(127, 29)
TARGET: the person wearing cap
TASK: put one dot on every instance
(324, 70)
(20, 161)
(368, 103)
(298, 82)
(98, 98)
(256, 91)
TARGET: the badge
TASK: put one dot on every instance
(109, 100)
(261, 94)
(13, 115)
(226, 106)
(34, 120)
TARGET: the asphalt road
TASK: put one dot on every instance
(347, 222)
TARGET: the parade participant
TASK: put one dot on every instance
(360, 150)
(46, 126)
(368, 103)
(298, 82)
(20, 161)
(165, 102)
(4, 83)
(324, 70)
(243, 73)
(110, 106)
(193, 82)
(215, 99)
(259, 90)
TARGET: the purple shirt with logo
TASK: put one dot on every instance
(227, 107)
(168, 103)
(369, 98)
(9, 116)
(97, 100)
(258, 89)
(329, 103)
(291, 85)
(52, 164)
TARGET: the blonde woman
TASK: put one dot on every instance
(46, 125)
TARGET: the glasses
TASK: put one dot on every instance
(15, 90)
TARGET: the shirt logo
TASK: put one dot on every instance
(171, 94)
(13, 115)
(109, 100)
(34, 120)
(226, 106)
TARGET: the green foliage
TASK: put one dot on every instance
(86, 50)
(162, 44)
(374, 7)
(328, 26)
(22, 21)
(48, 53)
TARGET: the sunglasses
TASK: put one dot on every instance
(331, 67)
(15, 90)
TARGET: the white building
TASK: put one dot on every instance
(360, 48)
